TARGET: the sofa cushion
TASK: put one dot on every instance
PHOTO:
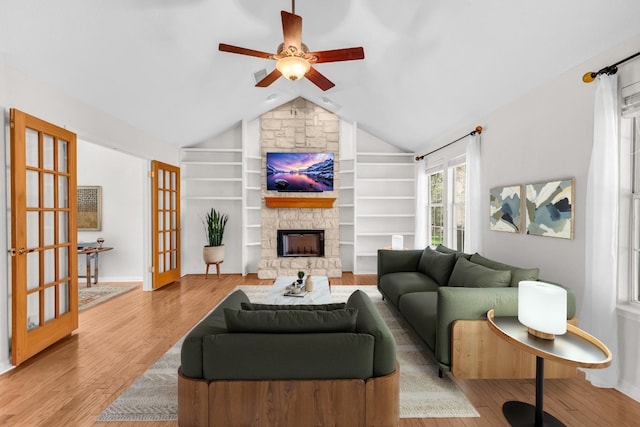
(393, 285)
(421, 311)
(517, 274)
(326, 307)
(291, 321)
(468, 274)
(445, 250)
(250, 356)
(437, 265)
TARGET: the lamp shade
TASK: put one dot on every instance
(293, 67)
(542, 307)
(397, 242)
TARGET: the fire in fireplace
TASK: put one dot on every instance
(300, 243)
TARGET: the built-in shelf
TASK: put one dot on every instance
(207, 163)
(214, 197)
(385, 197)
(390, 233)
(300, 202)
(212, 150)
(214, 179)
(385, 215)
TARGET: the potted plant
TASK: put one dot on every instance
(300, 277)
(214, 224)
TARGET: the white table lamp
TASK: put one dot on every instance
(397, 242)
(542, 308)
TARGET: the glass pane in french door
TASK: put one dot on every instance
(47, 228)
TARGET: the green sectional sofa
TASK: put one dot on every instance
(289, 365)
(445, 295)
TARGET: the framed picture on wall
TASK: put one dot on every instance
(89, 208)
(549, 208)
(505, 209)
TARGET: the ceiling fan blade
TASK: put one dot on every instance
(243, 51)
(270, 78)
(348, 54)
(318, 79)
(292, 30)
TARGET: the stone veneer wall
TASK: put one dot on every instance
(300, 126)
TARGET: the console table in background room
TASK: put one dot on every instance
(92, 254)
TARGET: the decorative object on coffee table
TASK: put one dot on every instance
(213, 253)
(308, 284)
(280, 292)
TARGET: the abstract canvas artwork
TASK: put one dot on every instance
(89, 208)
(549, 208)
(504, 204)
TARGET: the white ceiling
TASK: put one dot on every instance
(430, 66)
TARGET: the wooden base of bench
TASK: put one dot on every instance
(478, 353)
(348, 402)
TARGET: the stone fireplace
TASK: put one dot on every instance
(300, 126)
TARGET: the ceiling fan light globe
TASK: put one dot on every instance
(293, 67)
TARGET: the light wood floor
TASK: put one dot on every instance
(72, 382)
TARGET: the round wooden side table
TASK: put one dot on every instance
(576, 348)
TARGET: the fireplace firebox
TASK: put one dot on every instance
(300, 243)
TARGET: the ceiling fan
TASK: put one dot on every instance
(294, 59)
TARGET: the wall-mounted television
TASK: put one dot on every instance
(300, 172)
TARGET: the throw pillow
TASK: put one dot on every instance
(470, 275)
(517, 274)
(326, 307)
(291, 321)
(436, 265)
(445, 250)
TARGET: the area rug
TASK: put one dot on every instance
(97, 294)
(154, 396)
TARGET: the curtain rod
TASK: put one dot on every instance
(477, 130)
(590, 76)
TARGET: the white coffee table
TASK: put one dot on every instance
(321, 293)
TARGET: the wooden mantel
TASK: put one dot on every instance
(300, 202)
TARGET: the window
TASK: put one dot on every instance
(436, 209)
(635, 241)
(446, 205)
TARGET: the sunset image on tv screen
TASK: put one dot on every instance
(300, 171)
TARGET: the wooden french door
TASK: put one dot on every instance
(165, 213)
(43, 235)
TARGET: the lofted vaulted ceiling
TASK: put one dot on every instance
(429, 68)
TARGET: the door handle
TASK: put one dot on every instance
(21, 251)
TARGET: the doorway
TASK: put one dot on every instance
(121, 178)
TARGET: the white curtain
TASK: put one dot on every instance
(598, 314)
(421, 203)
(473, 212)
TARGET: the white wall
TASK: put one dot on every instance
(547, 135)
(121, 177)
